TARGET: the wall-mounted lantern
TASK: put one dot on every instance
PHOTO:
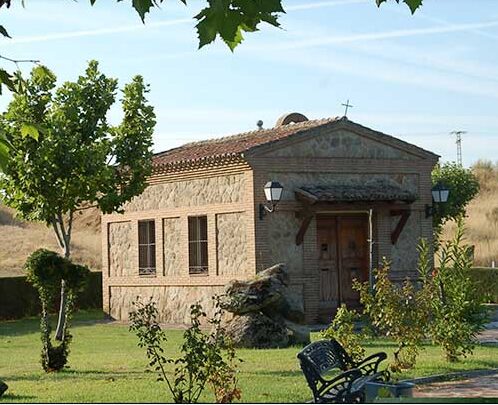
(440, 194)
(273, 193)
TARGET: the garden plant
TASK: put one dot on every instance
(207, 359)
(342, 329)
(457, 310)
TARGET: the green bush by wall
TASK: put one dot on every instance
(19, 299)
(486, 279)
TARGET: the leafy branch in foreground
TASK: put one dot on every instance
(228, 19)
(208, 359)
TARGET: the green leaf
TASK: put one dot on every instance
(143, 7)
(30, 130)
(413, 4)
(4, 32)
(6, 79)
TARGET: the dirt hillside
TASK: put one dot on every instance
(482, 216)
(18, 239)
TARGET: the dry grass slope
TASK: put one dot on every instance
(18, 239)
(482, 216)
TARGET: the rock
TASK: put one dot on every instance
(298, 334)
(242, 297)
(265, 311)
(3, 387)
(256, 330)
(291, 306)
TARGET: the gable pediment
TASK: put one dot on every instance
(342, 141)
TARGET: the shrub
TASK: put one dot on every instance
(46, 270)
(485, 280)
(458, 314)
(207, 358)
(342, 330)
(400, 312)
(463, 186)
(19, 299)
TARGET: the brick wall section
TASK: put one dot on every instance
(171, 220)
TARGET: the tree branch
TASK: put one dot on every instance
(57, 233)
(16, 61)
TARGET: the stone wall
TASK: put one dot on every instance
(191, 193)
(337, 144)
(174, 256)
(122, 253)
(231, 240)
(173, 302)
(282, 230)
(404, 255)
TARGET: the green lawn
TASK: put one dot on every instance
(106, 366)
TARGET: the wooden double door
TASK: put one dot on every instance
(342, 257)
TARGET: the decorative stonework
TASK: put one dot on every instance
(121, 255)
(282, 230)
(173, 248)
(232, 249)
(192, 193)
(339, 144)
(173, 303)
(404, 255)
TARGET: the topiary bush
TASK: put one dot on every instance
(45, 270)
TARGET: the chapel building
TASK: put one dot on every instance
(351, 196)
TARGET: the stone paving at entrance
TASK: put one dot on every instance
(476, 387)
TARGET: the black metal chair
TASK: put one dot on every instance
(318, 358)
(368, 366)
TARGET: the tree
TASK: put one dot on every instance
(79, 159)
(463, 186)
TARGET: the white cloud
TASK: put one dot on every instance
(322, 4)
(94, 32)
(376, 36)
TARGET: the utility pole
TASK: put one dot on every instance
(458, 135)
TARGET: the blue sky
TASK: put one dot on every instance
(416, 77)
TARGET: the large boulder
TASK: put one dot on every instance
(290, 306)
(256, 330)
(265, 311)
(264, 290)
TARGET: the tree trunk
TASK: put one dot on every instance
(64, 237)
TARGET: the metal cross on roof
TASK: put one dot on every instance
(347, 105)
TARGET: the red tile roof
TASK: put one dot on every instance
(233, 145)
